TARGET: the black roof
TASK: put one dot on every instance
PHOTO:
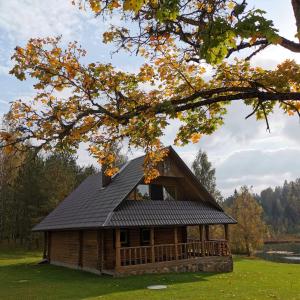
(164, 213)
(92, 206)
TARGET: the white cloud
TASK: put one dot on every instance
(258, 168)
(21, 20)
(4, 70)
(4, 102)
(243, 152)
(3, 107)
(84, 159)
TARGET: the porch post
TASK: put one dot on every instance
(45, 244)
(202, 240)
(176, 243)
(226, 231)
(118, 246)
(207, 232)
(152, 245)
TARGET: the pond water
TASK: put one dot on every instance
(282, 252)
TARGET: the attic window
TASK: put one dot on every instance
(142, 192)
(153, 192)
(161, 192)
(169, 192)
(156, 192)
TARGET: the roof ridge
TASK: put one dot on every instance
(121, 169)
(167, 147)
(126, 165)
(137, 157)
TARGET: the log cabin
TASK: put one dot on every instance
(121, 226)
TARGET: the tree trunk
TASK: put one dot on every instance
(248, 248)
(248, 251)
(296, 8)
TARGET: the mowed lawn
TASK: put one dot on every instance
(22, 278)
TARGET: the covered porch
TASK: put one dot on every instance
(157, 256)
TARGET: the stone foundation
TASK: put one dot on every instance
(209, 264)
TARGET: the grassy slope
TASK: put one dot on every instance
(21, 278)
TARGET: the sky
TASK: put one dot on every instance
(242, 151)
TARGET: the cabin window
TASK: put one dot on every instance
(142, 192)
(169, 192)
(145, 236)
(124, 237)
(161, 192)
(153, 192)
(156, 192)
(166, 167)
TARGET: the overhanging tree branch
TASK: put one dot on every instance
(296, 8)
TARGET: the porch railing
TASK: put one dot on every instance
(170, 252)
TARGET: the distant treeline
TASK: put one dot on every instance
(31, 187)
(281, 208)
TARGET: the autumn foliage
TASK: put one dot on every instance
(187, 72)
(249, 234)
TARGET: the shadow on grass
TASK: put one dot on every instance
(52, 282)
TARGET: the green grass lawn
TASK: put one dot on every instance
(22, 278)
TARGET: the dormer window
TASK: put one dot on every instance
(153, 192)
(141, 192)
(156, 192)
(170, 192)
(163, 192)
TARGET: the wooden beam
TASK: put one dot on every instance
(118, 246)
(102, 249)
(80, 248)
(201, 232)
(176, 242)
(49, 246)
(207, 232)
(226, 231)
(99, 248)
(45, 245)
(152, 245)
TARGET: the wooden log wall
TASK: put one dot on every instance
(75, 248)
(166, 235)
(109, 250)
(65, 247)
(96, 249)
(90, 250)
